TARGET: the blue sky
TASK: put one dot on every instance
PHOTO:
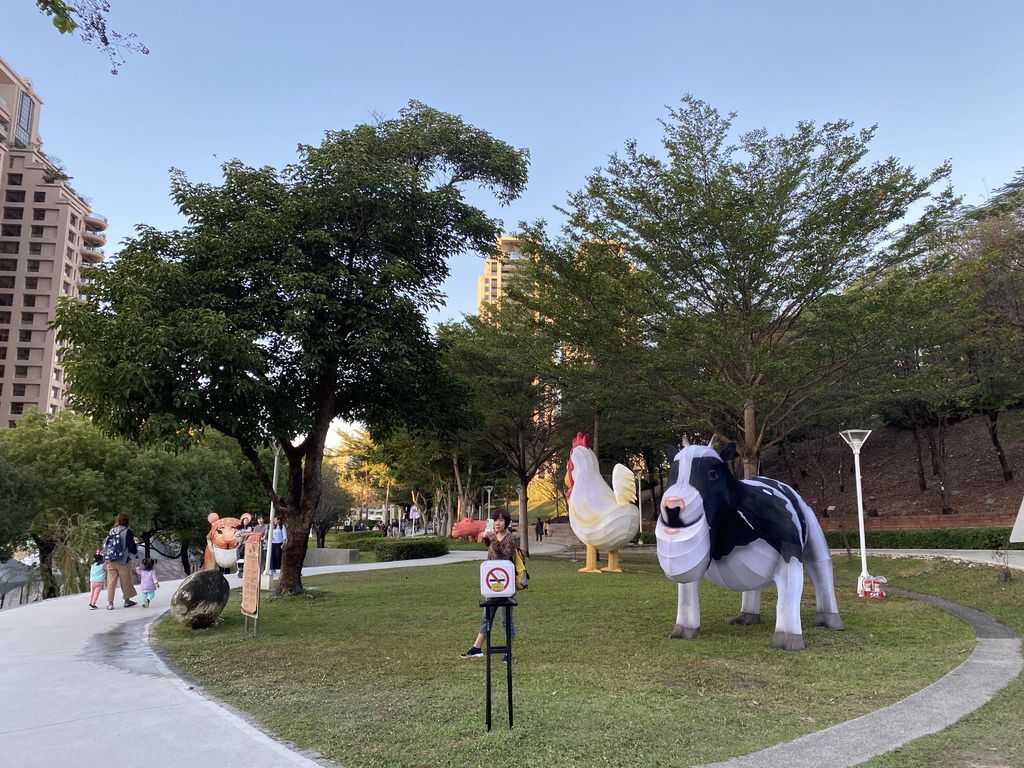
(571, 81)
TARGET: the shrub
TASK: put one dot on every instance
(361, 540)
(928, 538)
(410, 549)
(645, 537)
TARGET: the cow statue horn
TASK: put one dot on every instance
(686, 442)
(711, 442)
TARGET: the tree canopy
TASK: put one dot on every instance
(290, 298)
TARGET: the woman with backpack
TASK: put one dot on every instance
(118, 548)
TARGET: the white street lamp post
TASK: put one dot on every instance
(855, 438)
(488, 488)
(268, 576)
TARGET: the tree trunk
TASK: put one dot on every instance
(933, 449)
(922, 484)
(46, 549)
(993, 433)
(947, 507)
(842, 475)
(186, 566)
(321, 538)
(524, 518)
(749, 451)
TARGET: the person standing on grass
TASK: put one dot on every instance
(118, 570)
(97, 579)
(501, 544)
(278, 536)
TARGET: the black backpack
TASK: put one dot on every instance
(114, 545)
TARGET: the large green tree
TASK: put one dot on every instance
(748, 234)
(291, 298)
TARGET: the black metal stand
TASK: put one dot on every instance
(491, 607)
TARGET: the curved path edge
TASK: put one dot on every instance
(994, 664)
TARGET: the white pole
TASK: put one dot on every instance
(489, 488)
(860, 521)
(270, 530)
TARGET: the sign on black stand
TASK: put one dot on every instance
(498, 587)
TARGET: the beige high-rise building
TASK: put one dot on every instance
(491, 285)
(47, 233)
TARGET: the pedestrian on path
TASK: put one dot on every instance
(278, 536)
(148, 584)
(501, 545)
(118, 548)
(97, 579)
(538, 531)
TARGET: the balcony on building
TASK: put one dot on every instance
(94, 238)
(92, 255)
(95, 222)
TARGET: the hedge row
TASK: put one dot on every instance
(411, 548)
(364, 541)
(928, 538)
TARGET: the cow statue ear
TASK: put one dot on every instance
(729, 452)
(670, 453)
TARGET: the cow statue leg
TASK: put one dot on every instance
(789, 579)
(819, 566)
(750, 608)
(613, 562)
(687, 612)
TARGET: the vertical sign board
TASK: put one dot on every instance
(497, 578)
(251, 577)
(1017, 534)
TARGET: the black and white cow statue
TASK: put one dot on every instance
(742, 535)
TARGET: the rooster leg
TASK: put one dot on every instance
(613, 562)
(591, 566)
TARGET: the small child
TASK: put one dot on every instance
(148, 585)
(97, 579)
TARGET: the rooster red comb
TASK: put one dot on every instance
(581, 439)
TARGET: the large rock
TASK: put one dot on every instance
(200, 599)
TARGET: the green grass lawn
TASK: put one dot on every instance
(365, 668)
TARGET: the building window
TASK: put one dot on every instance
(31, 283)
(35, 249)
(67, 289)
(3, 334)
(38, 214)
(14, 213)
(27, 318)
(74, 220)
(37, 231)
(24, 353)
(15, 196)
(17, 408)
(5, 319)
(33, 265)
(18, 390)
(6, 299)
(21, 371)
(14, 179)
(8, 247)
(10, 230)
(26, 301)
(24, 336)
(23, 128)
(39, 197)
(3, 353)
(6, 281)
(71, 236)
(8, 265)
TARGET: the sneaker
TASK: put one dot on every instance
(110, 606)
(92, 607)
(129, 603)
(473, 653)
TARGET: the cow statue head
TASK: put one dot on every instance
(698, 482)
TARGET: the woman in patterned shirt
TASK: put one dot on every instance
(501, 544)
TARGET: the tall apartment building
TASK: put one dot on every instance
(490, 286)
(47, 233)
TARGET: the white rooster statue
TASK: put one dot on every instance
(601, 517)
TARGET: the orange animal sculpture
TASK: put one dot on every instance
(469, 528)
(221, 545)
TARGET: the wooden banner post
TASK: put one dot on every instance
(251, 582)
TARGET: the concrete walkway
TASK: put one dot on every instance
(88, 681)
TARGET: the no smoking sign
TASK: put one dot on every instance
(497, 578)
